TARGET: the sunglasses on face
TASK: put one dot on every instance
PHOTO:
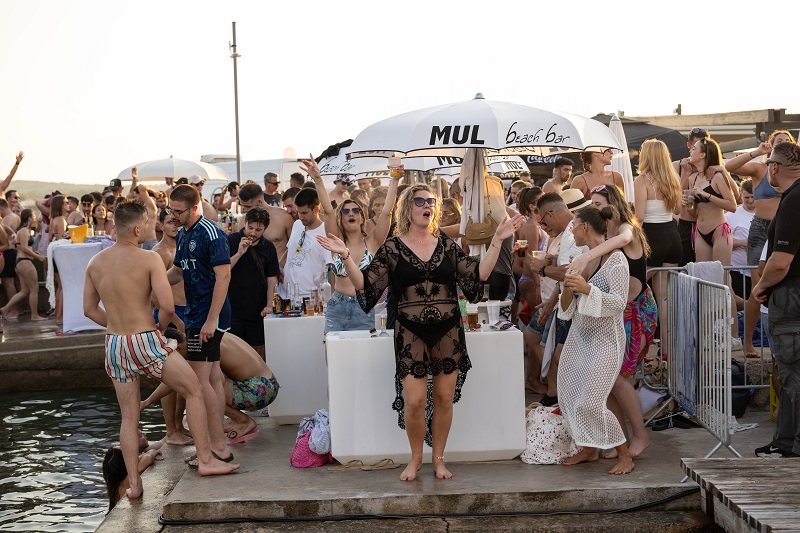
(607, 151)
(598, 189)
(348, 210)
(273, 183)
(770, 161)
(419, 201)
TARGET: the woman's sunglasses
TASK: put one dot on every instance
(348, 210)
(419, 202)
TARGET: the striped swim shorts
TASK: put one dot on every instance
(130, 356)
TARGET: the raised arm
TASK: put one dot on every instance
(623, 237)
(134, 182)
(328, 212)
(6, 182)
(744, 164)
(384, 222)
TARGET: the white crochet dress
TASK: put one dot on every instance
(592, 356)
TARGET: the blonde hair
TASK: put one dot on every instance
(406, 204)
(377, 192)
(655, 161)
(339, 224)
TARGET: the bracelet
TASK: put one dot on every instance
(16, 163)
(541, 271)
(751, 155)
(346, 257)
(493, 246)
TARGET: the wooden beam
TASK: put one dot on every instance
(714, 119)
(739, 144)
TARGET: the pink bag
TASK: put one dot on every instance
(303, 457)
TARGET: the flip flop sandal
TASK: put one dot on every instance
(196, 465)
(355, 464)
(62, 333)
(383, 464)
(234, 438)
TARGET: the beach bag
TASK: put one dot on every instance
(548, 440)
(482, 232)
(303, 457)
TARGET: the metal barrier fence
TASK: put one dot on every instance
(659, 383)
(699, 339)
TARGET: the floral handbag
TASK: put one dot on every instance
(548, 440)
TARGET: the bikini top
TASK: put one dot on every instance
(765, 191)
(337, 267)
(637, 269)
(710, 190)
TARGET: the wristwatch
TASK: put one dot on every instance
(541, 271)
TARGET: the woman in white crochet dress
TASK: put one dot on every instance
(595, 346)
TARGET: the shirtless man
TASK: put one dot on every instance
(172, 406)
(280, 222)
(339, 193)
(81, 215)
(7, 216)
(141, 194)
(561, 174)
(209, 211)
(249, 383)
(122, 277)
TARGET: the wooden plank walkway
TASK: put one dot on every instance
(749, 494)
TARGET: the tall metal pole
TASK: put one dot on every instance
(235, 56)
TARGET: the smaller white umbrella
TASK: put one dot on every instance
(621, 162)
(174, 168)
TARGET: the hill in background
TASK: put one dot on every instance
(29, 191)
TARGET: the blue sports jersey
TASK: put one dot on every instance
(198, 250)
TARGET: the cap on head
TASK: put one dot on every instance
(344, 178)
(196, 180)
(182, 181)
(574, 199)
(115, 185)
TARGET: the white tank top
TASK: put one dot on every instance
(656, 212)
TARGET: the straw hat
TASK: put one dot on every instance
(574, 199)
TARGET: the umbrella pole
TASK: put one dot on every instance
(235, 56)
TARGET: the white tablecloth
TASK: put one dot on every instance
(488, 422)
(72, 260)
(296, 354)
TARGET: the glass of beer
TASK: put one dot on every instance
(472, 316)
(522, 247)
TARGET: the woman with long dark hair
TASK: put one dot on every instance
(423, 267)
(595, 173)
(26, 271)
(595, 347)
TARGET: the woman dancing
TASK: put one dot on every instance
(347, 222)
(594, 349)
(423, 267)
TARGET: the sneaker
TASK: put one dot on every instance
(736, 343)
(790, 453)
(770, 451)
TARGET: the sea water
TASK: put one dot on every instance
(52, 446)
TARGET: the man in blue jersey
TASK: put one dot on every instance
(203, 262)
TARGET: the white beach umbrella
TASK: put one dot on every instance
(496, 127)
(174, 168)
(621, 162)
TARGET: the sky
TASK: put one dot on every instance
(90, 88)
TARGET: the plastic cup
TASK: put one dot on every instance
(493, 310)
(522, 246)
(539, 254)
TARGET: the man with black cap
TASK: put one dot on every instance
(339, 193)
(116, 187)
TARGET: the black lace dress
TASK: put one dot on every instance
(428, 336)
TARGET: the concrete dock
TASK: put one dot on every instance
(267, 494)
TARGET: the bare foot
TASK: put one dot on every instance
(586, 455)
(536, 388)
(441, 471)
(410, 473)
(751, 352)
(624, 466)
(179, 439)
(638, 446)
(215, 467)
(38, 318)
(242, 428)
(610, 454)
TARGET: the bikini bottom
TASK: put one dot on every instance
(709, 237)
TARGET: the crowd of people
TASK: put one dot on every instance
(191, 314)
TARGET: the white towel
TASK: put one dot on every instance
(710, 271)
(50, 283)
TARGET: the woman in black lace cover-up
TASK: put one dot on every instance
(423, 267)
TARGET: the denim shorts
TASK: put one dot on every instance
(541, 330)
(344, 314)
(562, 330)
